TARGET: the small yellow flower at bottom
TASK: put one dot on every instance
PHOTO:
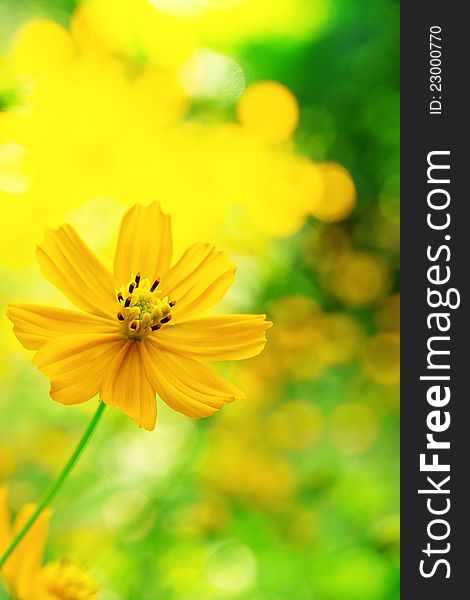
(144, 330)
(23, 574)
(65, 581)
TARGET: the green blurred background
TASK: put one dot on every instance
(293, 493)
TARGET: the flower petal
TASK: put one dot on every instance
(24, 564)
(218, 337)
(5, 529)
(128, 387)
(185, 384)
(77, 364)
(68, 263)
(35, 325)
(198, 280)
(144, 244)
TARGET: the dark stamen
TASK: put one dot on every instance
(172, 303)
(166, 319)
(127, 303)
(156, 327)
(137, 280)
(133, 325)
(119, 297)
(120, 316)
(131, 288)
(155, 285)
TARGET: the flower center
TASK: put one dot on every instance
(66, 581)
(142, 310)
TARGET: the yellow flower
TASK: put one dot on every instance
(23, 573)
(63, 580)
(143, 331)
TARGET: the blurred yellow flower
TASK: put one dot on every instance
(42, 46)
(163, 29)
(360, 278)
(62, 580)
(23, 573)
(108, 111)
(269, 110)
(340, 198)
(142, 332)
(21, 568)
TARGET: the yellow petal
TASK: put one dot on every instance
(144, 244)
(219, 337)
(128, 387)
(36, 325)
(198, 280)
(24, 564)
(68, 263)
(185, 384)
(77, 364)
(5, 532)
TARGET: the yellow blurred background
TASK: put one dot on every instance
(271, 130)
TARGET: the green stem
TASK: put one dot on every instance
(57, 484)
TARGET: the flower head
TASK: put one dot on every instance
(23, 572)
(143, 330)
(63, 580)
